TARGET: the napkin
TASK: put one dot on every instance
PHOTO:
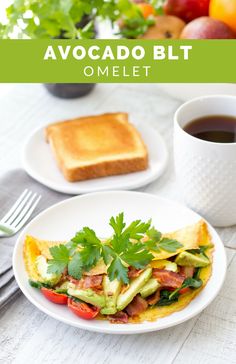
(12, 185)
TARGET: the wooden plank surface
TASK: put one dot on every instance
(29, 336)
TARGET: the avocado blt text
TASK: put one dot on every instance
(120, 53)
(117, 53)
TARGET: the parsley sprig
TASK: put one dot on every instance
(126, 247)
(157, 243)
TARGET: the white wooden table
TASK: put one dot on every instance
(29, 336)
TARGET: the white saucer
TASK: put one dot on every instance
(39, 163)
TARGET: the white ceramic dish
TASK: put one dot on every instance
(39, 163)
(62, 220)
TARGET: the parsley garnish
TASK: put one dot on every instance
(125, 248)
(158, 243)
(60, 259)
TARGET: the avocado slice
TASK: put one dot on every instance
(149, 288)
(164, 264)
(111, 290)
(136, 284)
(87, 295)
(188, 259)
(42, 267)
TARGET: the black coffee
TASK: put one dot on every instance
(213, 128)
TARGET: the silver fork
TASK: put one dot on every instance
(20, 212)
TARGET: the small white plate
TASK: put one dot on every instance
(39, 163)
(61, 221)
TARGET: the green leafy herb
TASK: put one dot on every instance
(124, 252)
(125, 248)
(60, 259)
(118, 270)
(75, 266)
(90, 251)
(167, 298)
(35, 284)
(158, 243)
(202, 250)
(117, 223)
(197, 273)
(69, 19)
(136, 27)
(169, 245)
(136, 229)
(188, 282)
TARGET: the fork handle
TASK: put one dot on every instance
(6, 230)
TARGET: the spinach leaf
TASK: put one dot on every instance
(167, 298)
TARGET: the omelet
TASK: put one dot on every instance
(191, 237)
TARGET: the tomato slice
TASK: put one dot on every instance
(82, 309)
(58, 298)
(184, 290)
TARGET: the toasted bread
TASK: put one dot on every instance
(97, 146)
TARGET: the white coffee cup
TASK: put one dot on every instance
(206, 171)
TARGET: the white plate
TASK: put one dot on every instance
(39, 163)
(61, 221)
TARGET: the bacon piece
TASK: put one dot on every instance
(137, 306)
(93, 282)
(154, 298)
(187, 271)
(119, 318)
(167, 278)
(133, 272)
(73, 280)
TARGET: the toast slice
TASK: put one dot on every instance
(97, 146)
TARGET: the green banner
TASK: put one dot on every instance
(105, 61)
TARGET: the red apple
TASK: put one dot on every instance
(207, 28)
(187, 9)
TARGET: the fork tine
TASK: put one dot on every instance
(24, 210)
(18, 201)
(18, 209)
(27, 215)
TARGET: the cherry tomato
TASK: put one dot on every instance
(59, 298)
(83, 310)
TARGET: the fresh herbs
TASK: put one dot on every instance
(37, 284)
(188, 282)
(123, 252)
(202, 250)
(60, 259)
(136, 27)
(128, 246)
(168, 297)
(158, 243)
(69, 19)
